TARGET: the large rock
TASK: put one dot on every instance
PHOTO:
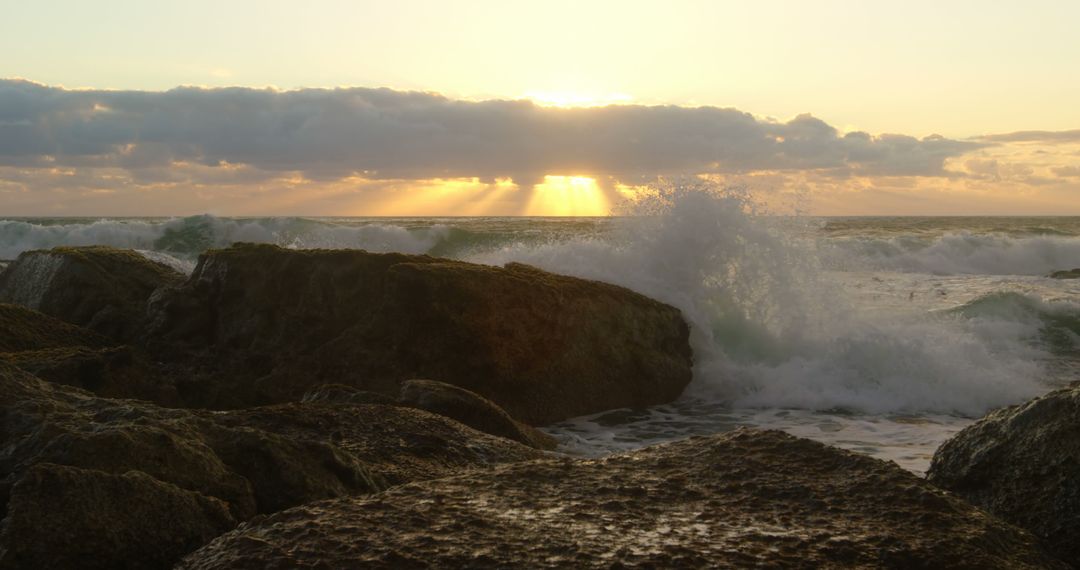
(739, 500)
(472, 410)
(253, 461)
(1022, 463)
(276, 322)
(66, 517)
(60, 352)
(100, 288)
(22, 329)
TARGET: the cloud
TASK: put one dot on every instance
(1046, 137)
(1067, 171)
(334, 134)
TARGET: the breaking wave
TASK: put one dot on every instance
(955, 253)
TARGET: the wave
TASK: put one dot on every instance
(955, 253)
(185, 238)
(772, 329)
(772, 326)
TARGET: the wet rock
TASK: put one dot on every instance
(23, 329)
(472, 410)
(273, 323)
(738, 500)
(396, 444)
(257, 460)
(100, 288)
(1022, 463)
(342, 394)
(1066, 274)
(66, 517)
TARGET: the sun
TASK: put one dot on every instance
(576, 99)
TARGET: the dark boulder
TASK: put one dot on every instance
(24, 329)
(342, 394)
(60, 352)
(271, 323)
(738, 500)
(66, 517)
(100, 288)
(254, 461)
(1022, 463)
(1065, 274)
(472, 410)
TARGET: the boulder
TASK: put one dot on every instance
(342, 394)
(66, 517)
(472, 410)
(737, 500)
(1065, 274)
(60, 352)
(253, 461)
(24, 329)
(271, 323)
(1022, 463)
(100, 288)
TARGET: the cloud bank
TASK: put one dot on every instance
(330, 134)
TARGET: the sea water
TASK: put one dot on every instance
(880, 335)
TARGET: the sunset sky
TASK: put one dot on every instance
(540, 108)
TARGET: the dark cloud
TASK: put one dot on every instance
(386, 134)
(1072, 136)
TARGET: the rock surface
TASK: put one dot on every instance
(1022, 463)
(1066, 274)
(472, 410)
(66, 517)
(738, 500)
(254, 461)
(60, 352)
(101, 288)
(276, 322)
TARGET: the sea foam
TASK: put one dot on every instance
(772, 329)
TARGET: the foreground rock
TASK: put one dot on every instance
(66, 517)
(60, 352)
(1022, 463)
(270, 323)
(472, 410)
(101, 288)
(252, 461)
(743, 499)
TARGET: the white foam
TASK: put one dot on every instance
(956, 253)
(772, 329)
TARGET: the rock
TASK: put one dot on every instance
(472, 410)
(273, 323)
(60, 352)
(342, 394)
(1022, 463)
(257, 460)
(737, 500)
(100, 288)
(23, 329)
(396, 444)
(66, 517)
(1066, 274)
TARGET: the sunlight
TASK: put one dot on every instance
(567, 196)
(572, 99)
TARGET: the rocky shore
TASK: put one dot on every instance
(339, 409)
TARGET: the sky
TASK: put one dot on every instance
(536, 108)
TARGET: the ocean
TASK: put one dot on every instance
(884, 335)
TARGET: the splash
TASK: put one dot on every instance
(773, 329)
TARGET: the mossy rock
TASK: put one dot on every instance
(101, 288)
